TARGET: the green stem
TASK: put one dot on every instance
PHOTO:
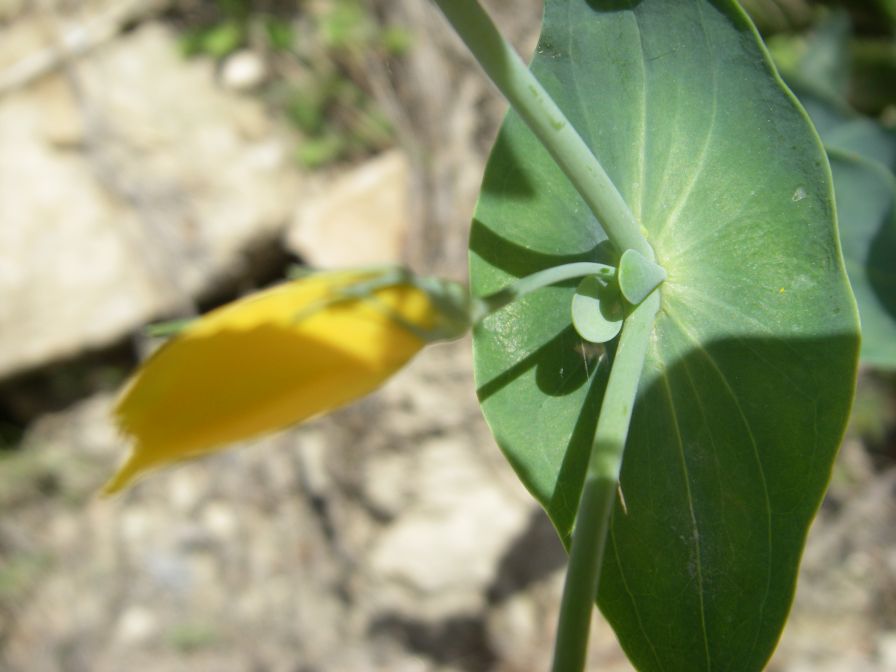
(536, 107)
(169, 328)
(549, 276)
(601, 481)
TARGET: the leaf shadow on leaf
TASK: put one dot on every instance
(518, 261)
(518, 182)
(613, 5)
(563, 363)
(728, 458)
(557, 363)
(564, 500)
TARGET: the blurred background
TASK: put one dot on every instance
(161, 157)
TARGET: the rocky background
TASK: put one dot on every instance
(150, 170)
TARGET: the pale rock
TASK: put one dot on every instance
(359, 219)
(453, 536)
(387, 485)
(848, 662)
(513, 628)
(184, 490)
(39, 39)
(886, 651)
(312, 456)
(109, 224)
(136, 527)
(136, 626)
(87, 427)
(64, 278)
(243, 70)
(20, 40)
(62, 123)
(172, 570)
(220, 520)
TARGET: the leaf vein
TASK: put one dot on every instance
(702, 298)
(641, 176)
(755, 449)
(669, 222)
(631, 595)
(690, 498)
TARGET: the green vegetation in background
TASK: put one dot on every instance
(852, 42)
(20, 572)
(192, 637)
(317, 54)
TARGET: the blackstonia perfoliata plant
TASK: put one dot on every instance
(658, 209)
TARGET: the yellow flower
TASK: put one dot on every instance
(277, 358)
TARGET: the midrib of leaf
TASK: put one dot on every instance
(723, 379)
(672, 253)
(638, 186)
(667, 226)
(631, 596)
(708, 317)
(669, 223)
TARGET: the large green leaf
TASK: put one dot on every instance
(752, 361)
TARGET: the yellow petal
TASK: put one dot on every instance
(266, 362)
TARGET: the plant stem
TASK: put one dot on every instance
(550, 276)
(536, 107)
(598, 494)
(169, 328)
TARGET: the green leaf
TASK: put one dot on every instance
(344, 24)
(820, 60)
(638, 276)
(751, 366)
(396, 40)
(774, 16)
(873, 86)
(223, 39)
(319, 151)
(280, 34)
(597, 311)
(845, 130)
(888, 7)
